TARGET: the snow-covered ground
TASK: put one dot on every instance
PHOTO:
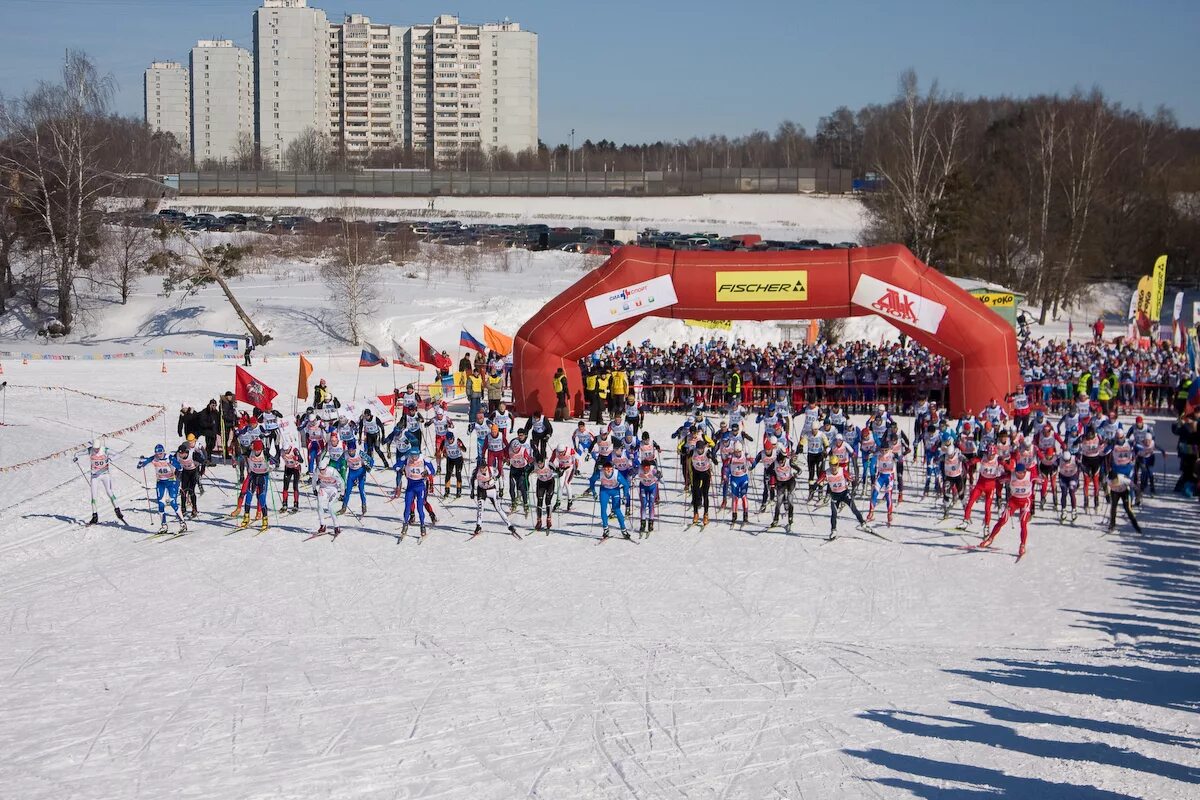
(723, 663)
(728, 663)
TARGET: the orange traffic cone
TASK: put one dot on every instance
(164, 367)
(1, 367)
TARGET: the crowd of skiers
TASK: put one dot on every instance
(1012, 456)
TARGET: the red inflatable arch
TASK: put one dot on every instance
(887, 281)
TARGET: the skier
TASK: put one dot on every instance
(454, 450)
(701, 469)
(1119, 488)
(648, 488)
(327, 486)
(520, 464)
(315, 438)
(839, 483)
(815, 446)
(986, 486)
(539, 429)
(293, 463)
(1091, 459)
(614, 494)
(258, 470)
(189, 477)
(356, 477)
(768, 456)
(952, 465)
(648, 451)
(372, 432)
(739, 482)
(782, 471)
(885, 483)
(1068, 484)
(545, 474)
(635, 417)
(417, 472)
(566, 463)
(100, 480)
(483, 484)
(166, 469)
(1020, 504)
(624, 461)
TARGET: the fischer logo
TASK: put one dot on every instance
(901, 305)
(762, 286)
(897, 305)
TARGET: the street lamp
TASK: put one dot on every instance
(571, 152)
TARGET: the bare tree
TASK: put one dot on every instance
(311, 151)
(53, 149)
(9, 236)
(919, 148)
(124, 250)
(353, 275)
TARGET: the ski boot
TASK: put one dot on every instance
(1021, 552)
(343, 509)
(625, 533)
(866, 528)
(478, 530)
(788, 528)
(432, 517)
(870, 514)
(295, 507)
(513, 530)
(264, 524)
(120, 516)
(642, 526)
(424, 531)
(537, 526)
(245, 523)
(162, 529)
(182, 526)
(364, 509)
(696, 518)
(650, 528)
(604, 533)
(549, 522)
(556, 504)
(458, 492)
(336, 531)
(403, 531)
(95, 519)
(832, 535)
(987, 541)
(705, 519)
(745, 517)
(774, 522)
(889, 519)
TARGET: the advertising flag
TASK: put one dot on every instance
(1158, 290)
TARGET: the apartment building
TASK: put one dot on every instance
(222, 102)
(440, 88)
(291, 75)
(167, 100)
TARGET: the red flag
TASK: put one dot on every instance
(249, 389)
(426, 353)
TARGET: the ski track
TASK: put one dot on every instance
(709, 664)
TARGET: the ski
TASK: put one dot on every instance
(173, 536)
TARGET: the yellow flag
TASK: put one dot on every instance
(1159, 289)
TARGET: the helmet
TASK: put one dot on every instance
(191, 437)
(1068, 456)
(771, 440)
(159, 449)
(256, 445)
(1020, 467)
(816, 426)
(323, 463)
(414, 452)
(834, 461)
(837, 437)
(1139, 420)
(182, 448)
(352, 444)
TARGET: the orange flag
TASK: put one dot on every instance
(497, 341)
(305, 372)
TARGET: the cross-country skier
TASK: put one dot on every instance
(539, 429)
(520, 465)
(952, 465)
(1068, 484)
(328, 487)
(258, 470)
(566, 463)
(614, 494)
(484, 483)
(986, 486)
(701, 468)
(1091, 459)
(417, 473)
(100, 479)
(166, 469)
(189, 478)
(648, 480)
(455, 451)
(738, 468)
(356, 477)
(372, 434)
(1119, 488)
(839, 483)
(781, 470)
(1020, 505)
(293, 463)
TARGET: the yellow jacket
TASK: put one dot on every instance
(620, 382)
(602, 386)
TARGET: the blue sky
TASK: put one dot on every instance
(634, 71)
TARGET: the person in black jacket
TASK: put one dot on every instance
(208, 422)
(188, 423)
(1189, 445)
(229, 423)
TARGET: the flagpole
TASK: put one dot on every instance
(357, 373)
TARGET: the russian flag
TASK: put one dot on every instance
(370, 357)
(465, 339)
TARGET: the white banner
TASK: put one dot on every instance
(288, 435)
(631, 301)
(898, 304)
(1178, 310)
(380, 411)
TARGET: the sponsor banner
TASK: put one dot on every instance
(631, 301)
(996, 299)
(1177, 311)
(762, 286)
(1158, 287)
(225, 344)
(711, 324)
(898, 304)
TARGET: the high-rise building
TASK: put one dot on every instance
(291, 75)
(367, 85)
(510, 87)
(167, 103)
(222, 102)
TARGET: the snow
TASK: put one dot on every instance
(724, 663)
(718, 664)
